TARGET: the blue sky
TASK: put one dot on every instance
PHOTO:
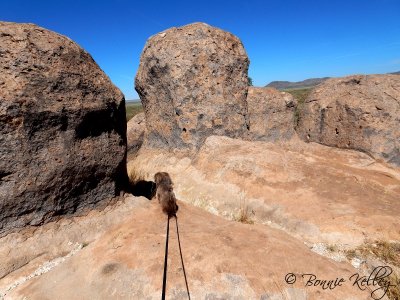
(285, 40)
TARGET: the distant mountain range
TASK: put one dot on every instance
(281, 85)
(308, 83)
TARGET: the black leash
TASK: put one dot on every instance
(165, 263)
(180, 251)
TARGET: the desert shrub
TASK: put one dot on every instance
(136, 175)
(300, 95)
(383, 250)
(244, 213)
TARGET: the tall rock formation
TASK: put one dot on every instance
(360, 112)
(193, 82)
(62, 128)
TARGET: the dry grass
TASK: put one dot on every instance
(393, 292)
(384, 251)
(350, 254)
(244, 214)
(300, 95)
(332, 248)
(136, 175)
(389, 252)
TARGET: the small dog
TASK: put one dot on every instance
(165, 193)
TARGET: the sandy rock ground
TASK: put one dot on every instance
(35, 250)
(316, 193)
(300, 198)
(223, 260)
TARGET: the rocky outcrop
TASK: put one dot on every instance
(124, 259)
(356, 112)
(271, 114)
(62, 128)
(317, 193)
(193, 82)
(135, 132)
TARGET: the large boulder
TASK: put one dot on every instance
(193, 83)
(62, 128)
(357, 112)
(271, 114)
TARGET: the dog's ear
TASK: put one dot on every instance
(157, 177)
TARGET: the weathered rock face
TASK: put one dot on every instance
(357, 112)
(271, 114)
(135, 132)
(192, 82)
(62, 128)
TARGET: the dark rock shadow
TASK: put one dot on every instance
(143, 188)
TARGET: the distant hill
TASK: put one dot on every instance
(282, 85)
(308, 83)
